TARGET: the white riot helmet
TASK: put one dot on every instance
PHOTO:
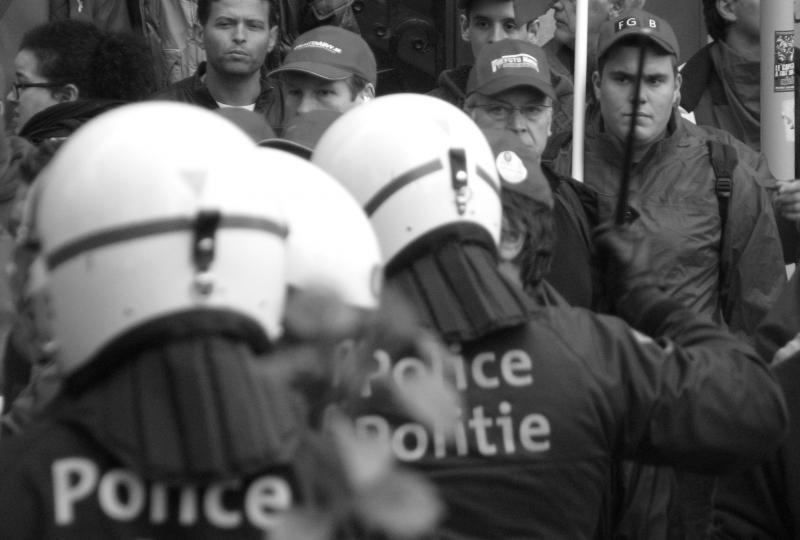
(331, 245)
(415, 163)
(140, 215)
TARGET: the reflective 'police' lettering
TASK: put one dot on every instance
(513, 368)
(123, 496)
(412, 441)
(490, 429)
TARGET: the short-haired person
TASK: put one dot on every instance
(549, 396)
(328, 68)
(510, 93)
(483, 22)
(729, 269)
(236, 36)
(731, 275)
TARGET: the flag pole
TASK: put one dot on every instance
(579, 97)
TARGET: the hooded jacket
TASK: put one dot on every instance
(672, 199)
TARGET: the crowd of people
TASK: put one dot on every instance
(265, 300)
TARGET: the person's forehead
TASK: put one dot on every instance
(300, 79)
(626, 57)
(516, 95)
(26, 64)
(493, 9)
(239, 8)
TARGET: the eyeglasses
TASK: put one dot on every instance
(18, 87)
(502, 112)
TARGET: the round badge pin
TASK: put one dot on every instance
(510, 167)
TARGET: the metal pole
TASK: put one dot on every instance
(777, 87)
(627, 165)
(579, 99)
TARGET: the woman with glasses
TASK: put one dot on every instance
(74, 71)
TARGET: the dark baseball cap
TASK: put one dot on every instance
(517, 166)
(510, 63)
(331, 53)
(303, 132)
(637, 22)
(525, 11)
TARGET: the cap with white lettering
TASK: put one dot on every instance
(331, 53)
(637, 22)
(510, 63)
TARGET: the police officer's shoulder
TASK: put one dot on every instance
(48, 436)
(589, 335)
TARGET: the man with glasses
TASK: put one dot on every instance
(483, 22)
(510, 94)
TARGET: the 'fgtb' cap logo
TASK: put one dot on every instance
(634, 22)
(515, 61)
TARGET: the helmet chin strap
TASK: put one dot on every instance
(199, 408)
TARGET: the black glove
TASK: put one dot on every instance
(622, 256)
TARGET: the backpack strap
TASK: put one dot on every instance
(723, 160)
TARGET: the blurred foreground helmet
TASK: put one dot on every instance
(331, 246)
(416, 164)
(140, 216)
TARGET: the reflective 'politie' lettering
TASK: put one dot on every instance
(488, 429)
(124, 496)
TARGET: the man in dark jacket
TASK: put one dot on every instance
(517, 98)
(236, 36)
(549, 397)
(732, 275)
(730, 270)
